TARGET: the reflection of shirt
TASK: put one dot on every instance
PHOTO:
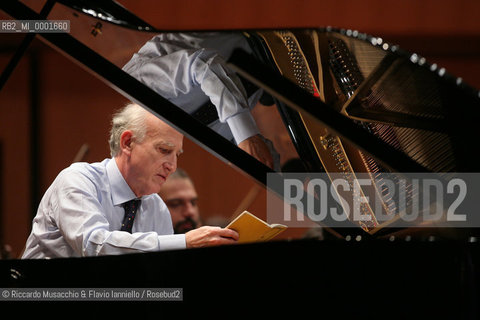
(81, 215)
(188, 69)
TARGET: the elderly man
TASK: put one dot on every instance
(112, 207)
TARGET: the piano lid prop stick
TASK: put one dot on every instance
(247, 201)
(82, 152)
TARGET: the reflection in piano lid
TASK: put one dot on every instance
(397, 97)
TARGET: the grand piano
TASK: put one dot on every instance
(351, 104)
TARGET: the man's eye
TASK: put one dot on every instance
(173, 204)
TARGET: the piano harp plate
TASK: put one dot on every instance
(292, 62)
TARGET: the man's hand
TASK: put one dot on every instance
(210, 236)
(256, 147)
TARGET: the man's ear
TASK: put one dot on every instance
(126, 140)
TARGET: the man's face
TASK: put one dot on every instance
(154, 158)
(181, 198)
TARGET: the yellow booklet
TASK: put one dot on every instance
(252, 229)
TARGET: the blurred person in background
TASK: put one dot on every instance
(181, 198)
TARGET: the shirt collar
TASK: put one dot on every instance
(121, 192)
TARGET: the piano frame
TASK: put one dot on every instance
(372, 273)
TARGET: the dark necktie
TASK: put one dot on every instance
(130, 210)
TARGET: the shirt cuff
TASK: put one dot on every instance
(243, 126)
(172, 242)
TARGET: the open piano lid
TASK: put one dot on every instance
(350, 103)
(416, 108)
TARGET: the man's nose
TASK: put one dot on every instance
(171, 164)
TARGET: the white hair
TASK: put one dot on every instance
(131, 117)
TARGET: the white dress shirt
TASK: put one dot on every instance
(82, 211)
(189, 68)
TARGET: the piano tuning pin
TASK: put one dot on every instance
(358, 238)
(355, 33)
(385, 46)
(459, 81)
(408, 238)
(391, 238)
(348, 238)
(431, 238)
(414, 58)
(433, 67)
(472, 239)
(441, 72)
(349, 32)
(422, 61)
